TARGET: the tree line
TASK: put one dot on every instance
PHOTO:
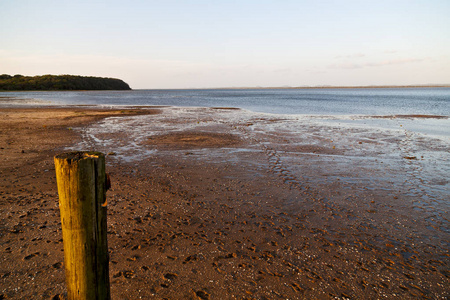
(59, 82)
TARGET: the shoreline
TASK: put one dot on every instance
(211, 204)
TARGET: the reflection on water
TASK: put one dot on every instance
(430, 126)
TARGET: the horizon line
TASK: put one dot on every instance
(305, 87)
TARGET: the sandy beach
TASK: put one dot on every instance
(207, 205)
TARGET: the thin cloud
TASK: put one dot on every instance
(345, 66)
(285, 70)
(376, 64)
(395, 62)
(355, 55)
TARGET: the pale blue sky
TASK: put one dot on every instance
(200, 43)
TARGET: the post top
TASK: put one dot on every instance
(79, 155)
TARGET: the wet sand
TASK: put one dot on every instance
(202, 208)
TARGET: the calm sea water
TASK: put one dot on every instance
(430, 101)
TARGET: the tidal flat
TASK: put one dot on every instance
(217, 203)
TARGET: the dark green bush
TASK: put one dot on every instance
(59, 82)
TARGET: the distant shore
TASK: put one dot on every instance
(335, 87)
(305, 87)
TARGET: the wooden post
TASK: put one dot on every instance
(82, 188)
